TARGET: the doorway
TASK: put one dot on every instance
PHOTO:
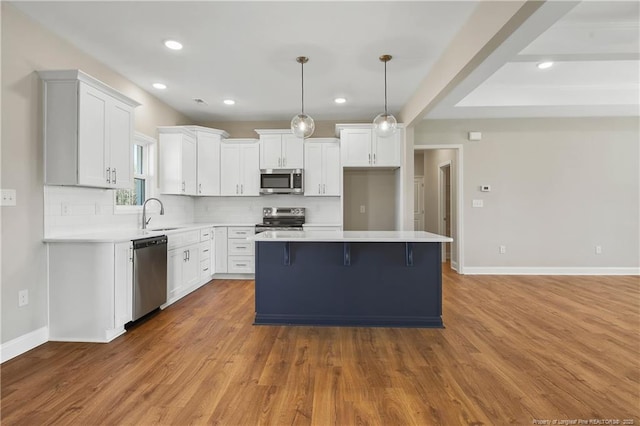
(418, 203)
(441, 166)
(444, 206)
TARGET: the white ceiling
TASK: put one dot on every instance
(246, 51)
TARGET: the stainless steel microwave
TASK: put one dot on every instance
(281, 181)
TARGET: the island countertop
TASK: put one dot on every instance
(352, 236)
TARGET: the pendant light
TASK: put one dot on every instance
(302, 125)
(385, 124)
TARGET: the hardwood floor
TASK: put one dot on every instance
(515, 350)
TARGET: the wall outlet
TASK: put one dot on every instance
(66, 209)
(362, 209)
(478, 203)
(8, 197)
(502, 249)
(23, 298)
(598, 249)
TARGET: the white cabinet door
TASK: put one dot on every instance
(271, 152)
(229, 169)
(175, 260)
(191, 266)
(250, 169)
(93, 163)
(123, 283)
(220, 251)
(356, 147)
(208, 164)
(120, 143)
(332, 171)
(189, 152)
(313, 170)
(386, 151)
(292, 151)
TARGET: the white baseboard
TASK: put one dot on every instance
(548, 270)
(24, 343)
(454, 265)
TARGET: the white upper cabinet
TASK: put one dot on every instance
(190, 160)
(88, 131)
(361, 147)
(322, 167)
(208, 159)
(280, 149)
(177, 160)
(240, 167)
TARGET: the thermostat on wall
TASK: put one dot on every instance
(475, 136)
(485, 188)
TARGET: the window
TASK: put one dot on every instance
(143, 154)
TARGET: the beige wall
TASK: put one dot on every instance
(245, 129)
(374, 189)
(26, 48)
(418, 163)
(559, 187)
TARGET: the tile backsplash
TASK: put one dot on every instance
(77, 210)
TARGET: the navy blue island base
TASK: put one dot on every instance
(375, 284)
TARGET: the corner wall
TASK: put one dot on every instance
(26, 48)
(559, 188)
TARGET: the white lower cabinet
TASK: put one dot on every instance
(90, 291)
(183, 264)
(234, 254)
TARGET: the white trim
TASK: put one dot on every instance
(24, 343)
(460, 197)
(441, 204)
(550, 270)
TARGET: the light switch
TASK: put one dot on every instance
(478, 203)
(8, 197)
(362, 209)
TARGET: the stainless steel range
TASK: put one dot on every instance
(281, 218)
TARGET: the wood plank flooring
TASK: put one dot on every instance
(515, 350)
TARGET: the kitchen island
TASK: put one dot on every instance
(349, 278)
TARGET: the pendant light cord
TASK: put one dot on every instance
(302, 64)
(385, 88)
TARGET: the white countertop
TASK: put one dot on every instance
(352, 236)
(120, 235)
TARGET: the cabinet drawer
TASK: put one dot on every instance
(241, 265)
(205, 250)
(241, 231)
(242, 247)
(206, 234)
(205, 268)
(182, 239)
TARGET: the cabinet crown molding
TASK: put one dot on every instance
(272, 131)
(79, 75)
(341, 126)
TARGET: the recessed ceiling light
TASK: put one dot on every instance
(160, 86)
(340, 100)
(545, 65)
(229, 102)
(173, 45)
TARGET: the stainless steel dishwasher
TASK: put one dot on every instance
(149, 275)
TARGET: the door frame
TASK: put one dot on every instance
(441, 203)
(421, 179)
(458, 173)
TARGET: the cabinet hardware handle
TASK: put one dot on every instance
(279, 161)
(241, 247)
(188, 254)
(114, 175)
(205, 269)
(374, 158)
(183, 186)
(319, 189)
(200, 187)
(324, 188)
(284, 162)
(108, 174)
(206, 251)
(242, 188)
(184, 256)
(369, 158)
(241, 264)
(237, 188)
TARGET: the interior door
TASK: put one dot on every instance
(418, 203)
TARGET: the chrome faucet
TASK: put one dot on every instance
(145, 221)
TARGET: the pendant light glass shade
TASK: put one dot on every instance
(302, 125)
(385, 124)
